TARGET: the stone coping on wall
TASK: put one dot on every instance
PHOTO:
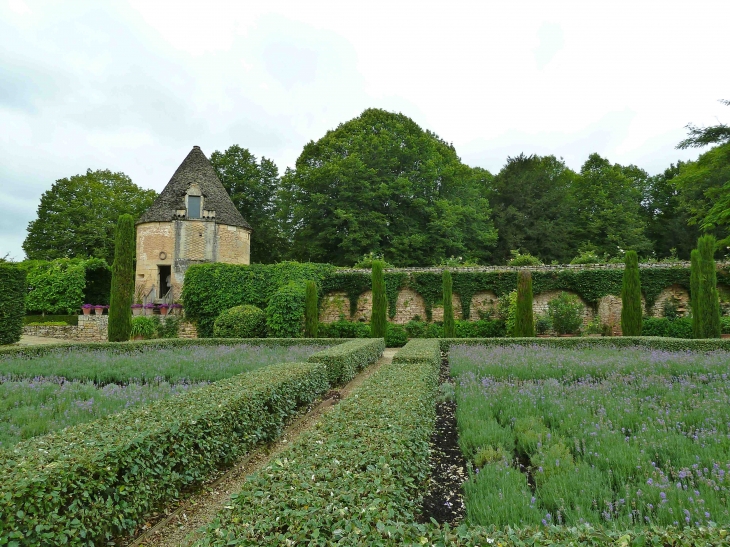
(541, 268)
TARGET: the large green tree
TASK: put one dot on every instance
(666, 219)
(608, 201)
(77, 216)
(380, 183)
(120, 312)
(253, 187)
(703, 136)
(533, 208)
(704, 192)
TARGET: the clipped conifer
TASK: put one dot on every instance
(709, 300)
(524, 321)
(449, 326)
(631, 315)
(311, 312)
(122, 293)
(694, 292)
(378, 321)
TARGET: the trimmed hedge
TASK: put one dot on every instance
(142, 345)
(346, 360)
(680, 327)
(359, 473)
(72, 320)
(95, 481)
(12, 303)
(210, 289)
(244, 321)
(649, 342)
(420, 351)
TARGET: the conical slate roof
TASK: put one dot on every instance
(195, 169)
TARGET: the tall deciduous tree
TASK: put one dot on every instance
(608, 199)
(311, 312)
(666, 220)
(703, 136)
(524, 321)
(378, 320)
(253, 186)
(631, 314)
(449, 326)
(380, 183)
(77, 216)
(533, 208)
(120, 307)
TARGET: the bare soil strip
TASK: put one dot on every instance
(180, 526)
(444, 501)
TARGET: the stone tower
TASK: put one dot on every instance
(192, 221)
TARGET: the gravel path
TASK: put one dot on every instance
(180, 526)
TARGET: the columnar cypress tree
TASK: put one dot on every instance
(709, 300)
(631, 297)
(449, 327)
(120, 311)
(378, 322)
(524, 324)
(311, 319)
(694, 290)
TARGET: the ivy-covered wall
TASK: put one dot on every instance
(211, 288)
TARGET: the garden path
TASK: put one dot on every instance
(180, 525)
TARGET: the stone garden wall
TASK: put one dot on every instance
(92, 328)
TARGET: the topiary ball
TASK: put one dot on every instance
(241, 322)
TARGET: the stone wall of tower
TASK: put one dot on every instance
(181, 243)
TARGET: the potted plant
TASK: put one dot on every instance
(176, 308)
(163, 308)
(136, 309)
(99, 309)
(148, 308)
(86, 308)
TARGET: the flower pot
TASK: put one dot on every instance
(87, 311)
(163, 310)
(137, 311)
(725, 336)
(138, 337)
(98, 311)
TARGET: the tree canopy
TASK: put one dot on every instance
(78, 215)
(379, 183)
(253, 187)
(534, 208)
(703, 136)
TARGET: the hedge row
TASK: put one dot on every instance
(362, 470)
(12, 303)
(649, 342)
(95, 481)
(420, 350)
(145, 345)
(346, 360)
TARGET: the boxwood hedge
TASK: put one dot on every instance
(363, 469)
(420, 350)
(95, 481)
(346, 360)
(144, 345)
(650, 342)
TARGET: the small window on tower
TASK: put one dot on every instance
(193, 206)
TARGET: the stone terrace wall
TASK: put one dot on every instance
(92, 328)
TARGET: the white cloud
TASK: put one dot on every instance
(131, 87)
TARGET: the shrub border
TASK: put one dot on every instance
(345, 360)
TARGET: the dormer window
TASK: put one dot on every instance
(194, 206)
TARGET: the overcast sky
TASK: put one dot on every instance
(133, 86)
